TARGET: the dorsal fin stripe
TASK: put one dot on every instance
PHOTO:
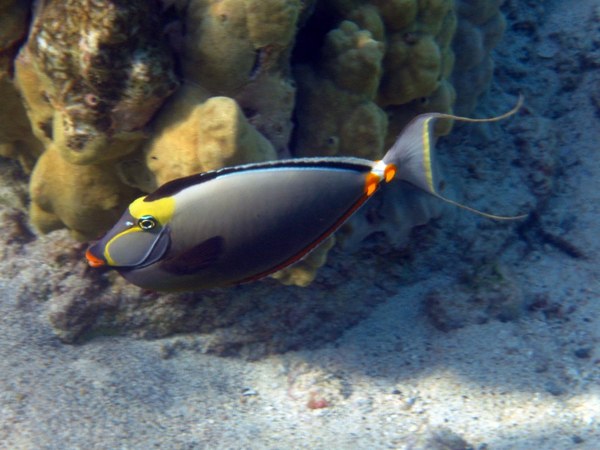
(173, 187)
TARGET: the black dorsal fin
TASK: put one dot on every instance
(173, 187)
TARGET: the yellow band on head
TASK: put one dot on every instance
(162, 209)
(109, 259)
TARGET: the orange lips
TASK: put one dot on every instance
(93, 260)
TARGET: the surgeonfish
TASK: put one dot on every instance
(239, 224)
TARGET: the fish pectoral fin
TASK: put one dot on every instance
(196, 258)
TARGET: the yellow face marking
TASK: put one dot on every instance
(427, 154)
(162, 209)
(109, 260)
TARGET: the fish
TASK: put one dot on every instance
(240, 224)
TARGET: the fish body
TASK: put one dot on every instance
(240, 224)
(235, 225)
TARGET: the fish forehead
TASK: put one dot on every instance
(161, 209)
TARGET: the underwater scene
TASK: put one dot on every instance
(300, 224)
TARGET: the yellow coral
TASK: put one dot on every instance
(222, 49)
(272, 22)
(397, 14)
(431, 15)
(86, 199)
(352, 59)
(412, 68)
(16, 137)
(196, 134)
(367, 17)
(355, 127)
(218, 53)
(39, 110)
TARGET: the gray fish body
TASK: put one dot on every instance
(251, 223)
(239, 224)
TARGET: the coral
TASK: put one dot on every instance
(346, 80)
(103, 68)
(381, 57)
(87, 199)
(196, 134)
(261, 79)
(242, 50)
(481, 25)
(229, 40)
(16, 138)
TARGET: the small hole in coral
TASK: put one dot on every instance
(91, 99)
(250, 112)
(46, 128)
(410, 38)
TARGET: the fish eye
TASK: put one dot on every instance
(146, 223)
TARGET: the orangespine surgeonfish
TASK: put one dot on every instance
(240, 224)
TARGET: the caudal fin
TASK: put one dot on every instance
(412, 155)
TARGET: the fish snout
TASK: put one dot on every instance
(93, 260)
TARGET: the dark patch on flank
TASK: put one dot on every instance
(196, 258)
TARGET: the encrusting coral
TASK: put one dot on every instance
(196, 133)
(259, 79)
(87, 199)
(480, 28)
(16, 137)
(381, 56)
(346, 79)
(103, 68)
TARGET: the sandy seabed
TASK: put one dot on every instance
(394, 380)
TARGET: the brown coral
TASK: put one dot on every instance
(87, 199)
(104, 69)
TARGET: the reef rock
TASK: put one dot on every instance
(104, 69)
